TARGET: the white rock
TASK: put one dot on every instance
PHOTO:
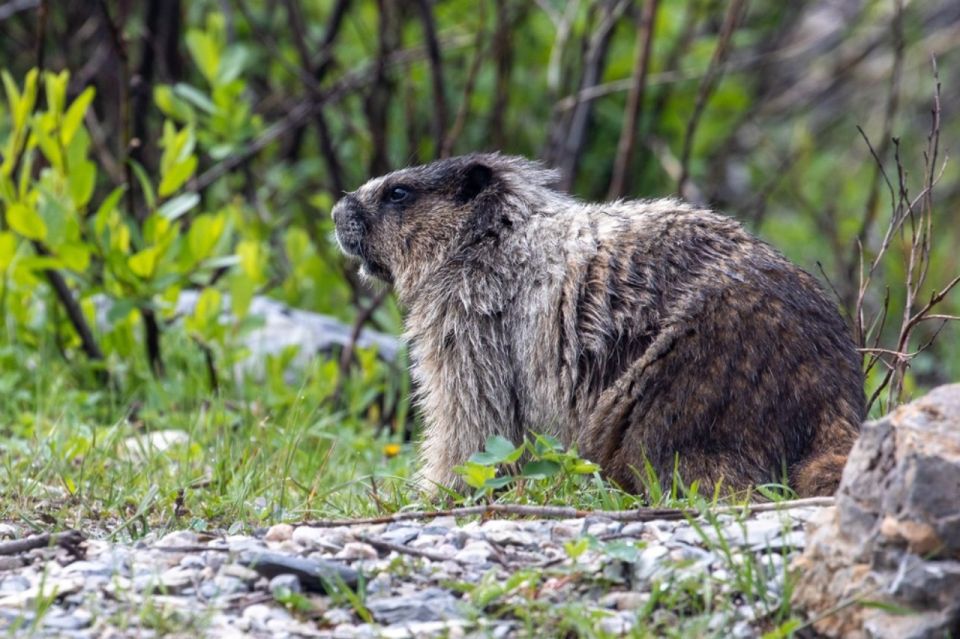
(139, 447)
(279, 532)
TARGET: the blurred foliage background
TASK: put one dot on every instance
(153, 147)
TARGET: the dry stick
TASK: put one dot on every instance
(893, 101)
(460, 119)
(313, 75)
(565, 512)
(918, 259)
(571, 144)
(436, 76)
(346, 356)
(151, 327)
(375, 103)
(68, 539)
(309, 74)
(735, 12)
(502, 51)
(628, 134)
(415, 552)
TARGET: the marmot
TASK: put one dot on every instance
(635, 330)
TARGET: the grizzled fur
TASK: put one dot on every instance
(641, 329)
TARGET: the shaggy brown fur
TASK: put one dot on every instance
(635, 330)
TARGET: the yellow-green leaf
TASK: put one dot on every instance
(26, 221)
(144, 263)
(75, 257)
(74, 116)
(8, 248)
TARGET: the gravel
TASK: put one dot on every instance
(439, 578)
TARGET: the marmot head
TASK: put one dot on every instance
(408, 223)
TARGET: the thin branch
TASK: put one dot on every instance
(566, 512)
(628, 133)
(69, 539)
(460, 119)
(436, 75)
(735, 12)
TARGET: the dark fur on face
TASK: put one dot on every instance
(638, 331)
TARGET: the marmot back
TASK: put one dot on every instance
(639, 331)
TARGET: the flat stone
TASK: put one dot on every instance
(475, 552)
(74, 620)
(400, 535)
(285, 584)
(432, 604)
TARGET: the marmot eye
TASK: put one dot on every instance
(398, 194)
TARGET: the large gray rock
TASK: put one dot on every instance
(894, 535)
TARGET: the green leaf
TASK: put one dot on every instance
(10, 88)
(144, 263)
(475, 475)
(82, 179)
(176, 207)
(172, 106)
(205, 232)
(540, 469)
(498, 450)
(75, 257)
(576, 548)
(205, 53)
(74, 115)
(120, 310)
(107, 207)
(146, 186)
(784, 630)
(584, 467)
(499, 482)
(8, 248)
(195, 97)
(231, 64)
(26, 221)
(56, 88)
(241, 294)
(177, 175)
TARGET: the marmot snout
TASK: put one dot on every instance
(642, 330)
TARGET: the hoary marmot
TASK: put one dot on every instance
(635, 330)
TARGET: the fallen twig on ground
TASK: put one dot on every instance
(69, 540)
(565, 512)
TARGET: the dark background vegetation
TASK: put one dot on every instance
(816, 123)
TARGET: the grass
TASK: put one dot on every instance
(265, 450)
(258, 453)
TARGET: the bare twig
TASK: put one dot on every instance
(735, 12)
(460, 119)
(567, 135)
(436, 76)
(69, 539)
(628, 133)
(911, 217)
(566, 512)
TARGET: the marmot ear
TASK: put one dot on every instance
(474, 180)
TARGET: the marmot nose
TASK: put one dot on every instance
(345, 208)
